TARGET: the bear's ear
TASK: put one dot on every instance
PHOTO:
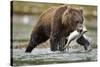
(65, 19)
(66, 15)
(68, 9)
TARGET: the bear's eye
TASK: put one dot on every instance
(77, 21)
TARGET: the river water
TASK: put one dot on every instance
(45, 56)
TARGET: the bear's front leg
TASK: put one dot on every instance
(54, 39)
(84, 42)
(57, 41)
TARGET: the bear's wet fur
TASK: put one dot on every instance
(56, 23)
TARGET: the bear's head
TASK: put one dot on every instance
(72, 18)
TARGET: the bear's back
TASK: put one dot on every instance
(51, 14)
(47, 15)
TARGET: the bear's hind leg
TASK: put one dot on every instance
(36, 39)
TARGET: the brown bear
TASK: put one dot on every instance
(56, 24)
